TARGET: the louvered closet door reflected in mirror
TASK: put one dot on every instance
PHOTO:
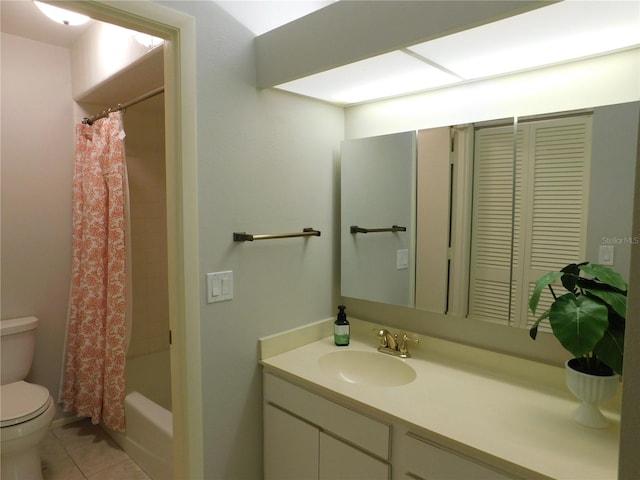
(530, 209)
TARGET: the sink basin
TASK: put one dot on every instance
(366, 368)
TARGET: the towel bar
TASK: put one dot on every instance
(248, 237)
(395, 228)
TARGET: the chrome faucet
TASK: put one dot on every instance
(394, 344)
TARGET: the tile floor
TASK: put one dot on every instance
(82, 451)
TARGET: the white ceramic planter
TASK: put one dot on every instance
(592, 390)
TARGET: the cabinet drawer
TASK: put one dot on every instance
(431, 462)
(363, 431)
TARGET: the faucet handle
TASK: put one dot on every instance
(392, 341)
(404, 348)
(382, 333)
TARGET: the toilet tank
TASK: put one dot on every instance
(18, 341)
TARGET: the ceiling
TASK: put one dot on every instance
(262, 16)
(588, 27)
(22, 18)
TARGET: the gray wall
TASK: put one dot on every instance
(630, 428)
(267, 163)
(613, 165)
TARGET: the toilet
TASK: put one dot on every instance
(26, 410)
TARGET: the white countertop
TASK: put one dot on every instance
(511, 419)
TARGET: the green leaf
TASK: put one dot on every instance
(578, 322)
(573, 268)
(570, 277)
(616, 300)
(616, 322)
(610, 349)
(605, 275)
(533, 331)
(542, 282)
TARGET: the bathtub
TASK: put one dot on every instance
(148, 438)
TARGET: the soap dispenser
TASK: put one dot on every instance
(341, 328)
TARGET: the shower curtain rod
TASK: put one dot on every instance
(122, 106)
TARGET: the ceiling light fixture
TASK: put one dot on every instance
(391, 74)
(60, 15)
(559, 33)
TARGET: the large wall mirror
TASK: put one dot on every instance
(378, 218)
(495, 205)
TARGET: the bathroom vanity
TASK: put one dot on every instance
(449, 411)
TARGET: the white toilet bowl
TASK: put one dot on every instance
(26, 412)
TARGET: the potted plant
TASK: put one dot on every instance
(588, 321)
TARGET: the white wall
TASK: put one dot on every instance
(103, 51)
(630, 428)
(611, 190)
(267, 163)
(37, 169)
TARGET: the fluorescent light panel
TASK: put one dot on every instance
(555, 34)
(558, 33)
(394, 73)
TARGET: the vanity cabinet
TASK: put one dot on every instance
(339, 460)
(309, 437)
(455, 420)
(290, 446)
(425, 460)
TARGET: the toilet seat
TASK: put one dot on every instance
(21, 402)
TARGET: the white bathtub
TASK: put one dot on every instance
(148, 438)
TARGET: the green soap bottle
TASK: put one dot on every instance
(341, 328)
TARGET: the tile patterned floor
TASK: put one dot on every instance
(82, 451)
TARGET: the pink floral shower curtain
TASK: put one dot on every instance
(94, 370)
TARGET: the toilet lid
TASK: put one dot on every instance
(21, 401)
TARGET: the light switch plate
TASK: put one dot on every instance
(402, 259)
(605, 255)
(219, 286)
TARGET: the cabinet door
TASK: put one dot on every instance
(354, 427)
(339, 461)
(290, 447)
(425, 460)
